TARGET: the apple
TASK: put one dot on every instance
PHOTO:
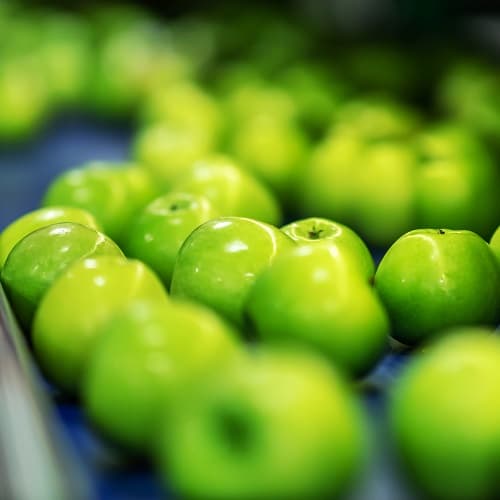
(377, 118)
(151, 351)
(167, 151)
(325, 187)
(40, 257)
(24, 97)
(384, 194)
(282, 425)
(78, 303)
(231, 189)
(220, 260)
(495, 243)
(457, 183)
(315, 230)
(445, 414)
(314, 296)
(273, 149)
(157, 233)
(111, 192)
(37, 219)
(433, 279)
(184, 105)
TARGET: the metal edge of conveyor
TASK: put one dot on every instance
(35, 459)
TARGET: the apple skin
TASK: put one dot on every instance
(444, 412)
(111, 192)
(151, 351)
(273, 427)
(39, 258)
(433, 279)
(78, 303)
(316, 230)
(220, 260)
(458, 183)
(37, 219)
(273, 149)
(313, 296)
(385, 193)
(167, 151)
(495, 243)
(157, 233)
(231, 189)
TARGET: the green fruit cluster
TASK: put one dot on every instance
(214, 338)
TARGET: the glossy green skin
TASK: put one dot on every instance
(458, 183)
(156, 235)
(318, 231)
(274, 150)
(231, 189)
(153, 352)
(167, 151)
(39, 258)
(112, 194)
(219, 262)
(445, 411)
(313, 297)
(258, 432)
(385, 193)
(78, 304)
(495, 243)
(36, 220)
(433, 279)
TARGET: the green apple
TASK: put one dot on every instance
(316, 230)
(152, 352)
(432, 279)
(65, 52)
(282, 425)
(41, 256)
(24, 97)
(445, 414)
(325, 187)
(157, 233)
(220, 260)
(111, 192)
(314, 296)
(37, 219)
(458, 183)
(184, 105)
(75, 307)
(167, 151)
(273, 149)
(231, 189)
(494, 243)
(384, 194)
(376, 118)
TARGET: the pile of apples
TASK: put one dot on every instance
(214, 302)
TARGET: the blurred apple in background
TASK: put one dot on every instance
(495, 243)
(278, 425)
(219, 262)
(231, 189)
